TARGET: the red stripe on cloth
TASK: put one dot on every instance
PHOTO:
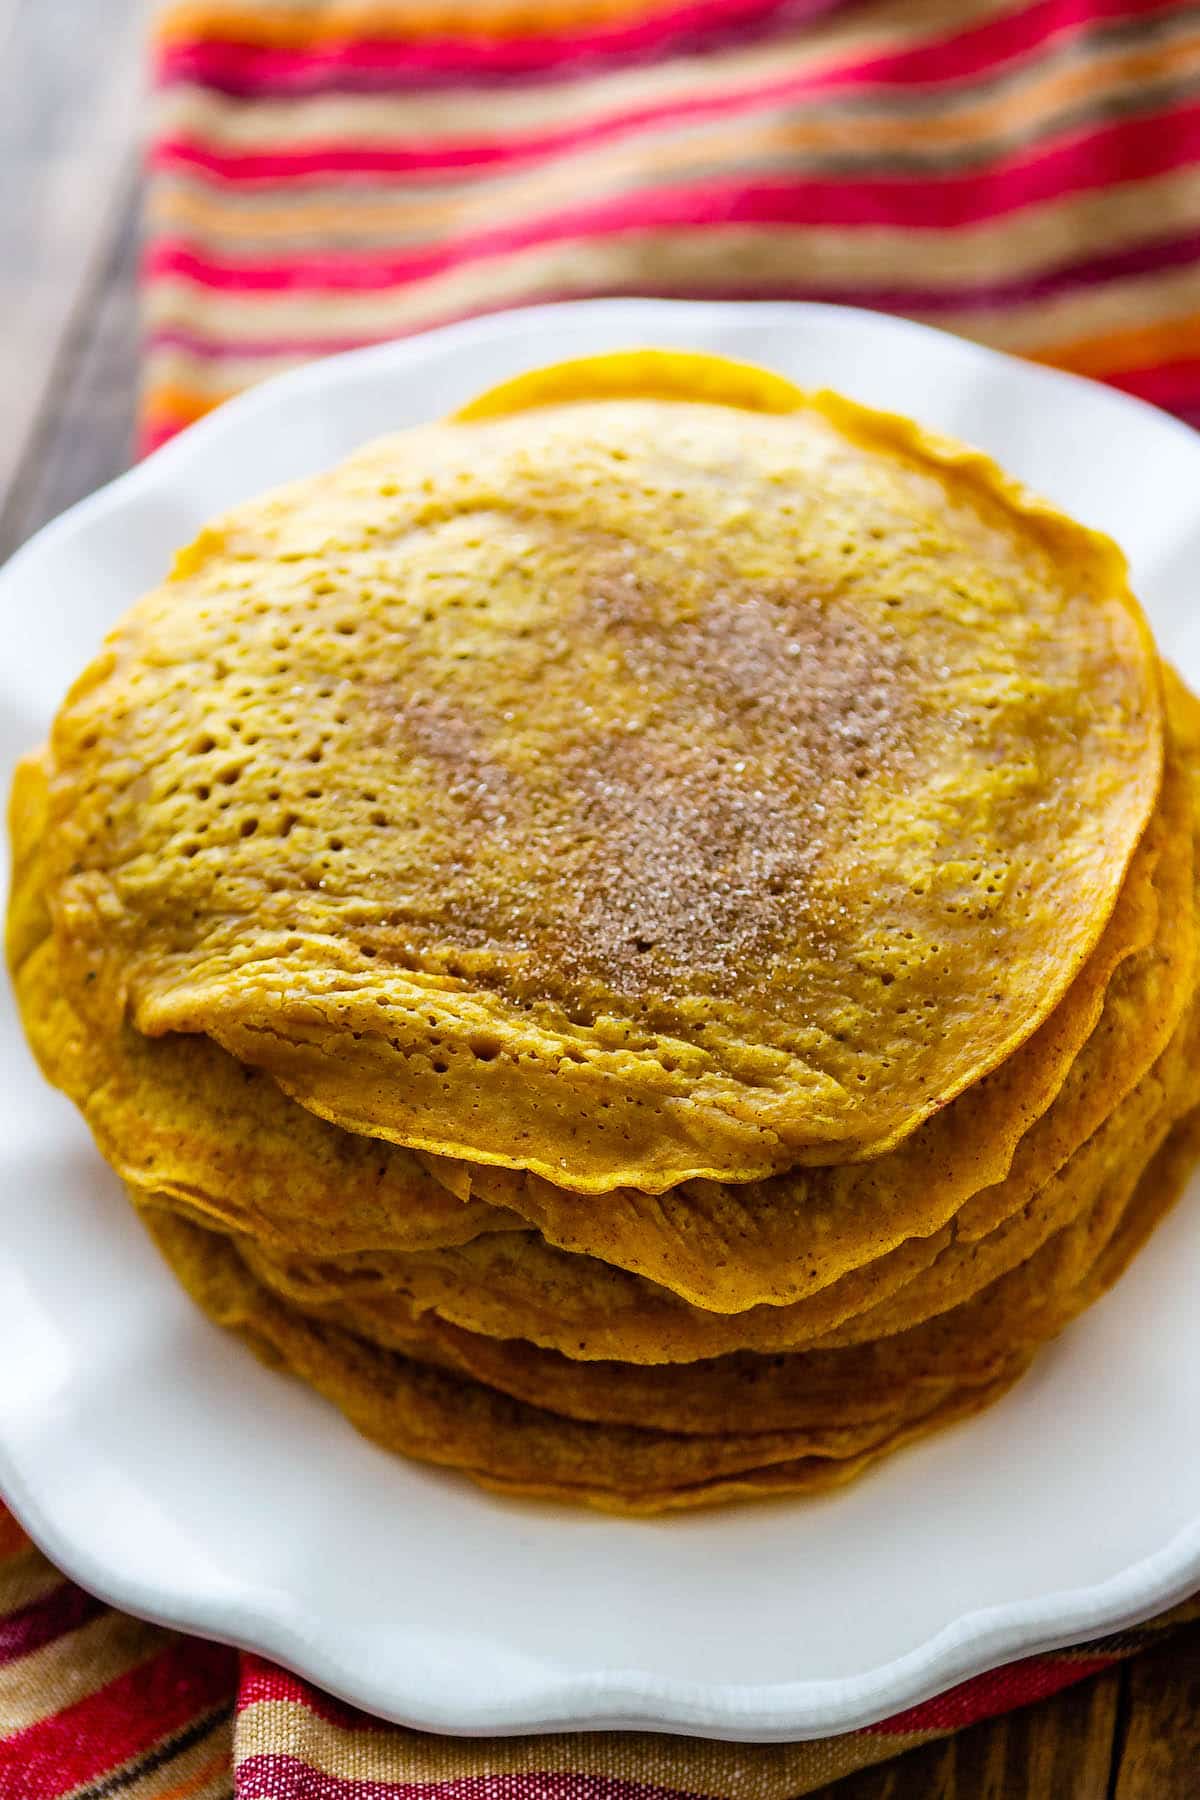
(153, 437)
(262, 1680)
(984, 1696)
(284, 1777)
(1174, 385)
(187, 1678)
(64, 1609)
(968, 54)
(339, 156)
(1131, 150)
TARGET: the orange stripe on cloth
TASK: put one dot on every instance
(168, 408)
(1121, 352)
(12, 1536)
(210, 1776)
(302, 27)
(180, 404)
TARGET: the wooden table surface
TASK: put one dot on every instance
(71, 112)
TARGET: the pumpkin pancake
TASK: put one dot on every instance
(628, 790)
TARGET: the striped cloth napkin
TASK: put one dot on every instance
(98, 1706)
(332, 172)
(327, 173)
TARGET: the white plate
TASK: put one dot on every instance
(161, 1466)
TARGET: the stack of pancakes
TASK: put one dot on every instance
(642, 939)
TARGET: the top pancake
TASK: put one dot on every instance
(627, 789)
